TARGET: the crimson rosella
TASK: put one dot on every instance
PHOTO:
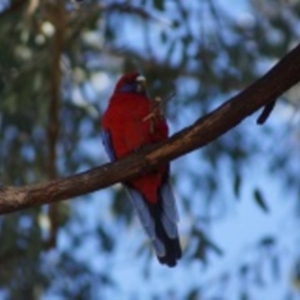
(127, 125)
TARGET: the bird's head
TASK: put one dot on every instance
(131, 83)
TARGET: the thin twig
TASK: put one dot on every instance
(159, 104)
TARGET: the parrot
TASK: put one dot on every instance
(128, 124)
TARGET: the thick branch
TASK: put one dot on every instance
(268, 88)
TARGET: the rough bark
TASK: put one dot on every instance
(268, 88)
(59, 19)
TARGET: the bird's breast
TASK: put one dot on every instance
(126, 119)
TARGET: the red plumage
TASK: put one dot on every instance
(129, 129)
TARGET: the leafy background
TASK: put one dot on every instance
(238, 196)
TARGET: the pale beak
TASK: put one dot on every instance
(141, 83)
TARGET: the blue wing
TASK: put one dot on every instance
(107, 142)
(169, 215)
(165, 213)
(146, 219)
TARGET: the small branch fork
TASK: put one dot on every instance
(157, 111)
(284, 75)
(157, 106)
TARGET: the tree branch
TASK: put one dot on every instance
(59, 16)
(268, 88)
